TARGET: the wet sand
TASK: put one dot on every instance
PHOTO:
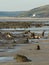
(38, 57)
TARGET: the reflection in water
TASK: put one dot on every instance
(5, 59)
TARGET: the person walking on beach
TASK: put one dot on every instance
(38, 47)
(43, 33)
(27, 40)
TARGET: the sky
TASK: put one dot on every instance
(21, 5)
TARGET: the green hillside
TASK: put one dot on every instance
(42, 11)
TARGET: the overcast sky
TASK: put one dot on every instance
(21, 5)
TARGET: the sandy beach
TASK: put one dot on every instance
(37, 57)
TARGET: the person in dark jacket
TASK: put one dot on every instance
(38, 47)
(43, 33)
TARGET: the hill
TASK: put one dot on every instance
(42, 11)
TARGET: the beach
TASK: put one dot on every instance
(37, 57)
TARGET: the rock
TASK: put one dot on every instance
(21, 58)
